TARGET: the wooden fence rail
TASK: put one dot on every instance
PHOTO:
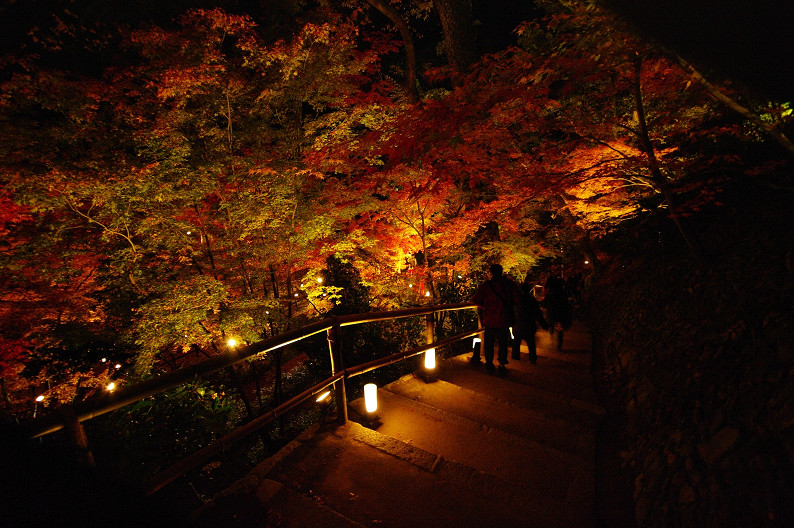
(72, 416)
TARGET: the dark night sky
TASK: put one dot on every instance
(751, 41)
(747, 40)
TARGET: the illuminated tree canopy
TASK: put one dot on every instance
(189, 183)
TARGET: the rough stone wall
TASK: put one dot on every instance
(698, 357)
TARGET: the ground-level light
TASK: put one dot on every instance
(371, 397)
(430, 359)
(323, 397)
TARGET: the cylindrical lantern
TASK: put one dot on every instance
(430, 359)
(371, 397)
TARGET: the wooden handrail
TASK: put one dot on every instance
(105, 403)
(180, 468)
(99, 405)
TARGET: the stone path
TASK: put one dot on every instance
(468, 449)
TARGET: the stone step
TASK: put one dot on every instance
(353, 476)
(494, 413)
(520, 388)
(542, 470)
(572, 383)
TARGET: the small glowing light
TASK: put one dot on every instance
(111, 386)
(410, 285)
(319, 280)
(427, 294)
(296, 295)
(188, 232)
(476, 341)
(587, 262)
(40, 398)
(371, 397)
(511, 333)
(104, 360)
(118, 365)
(430, 359)
(301, 285)
(460, 277)
(231, 342)
(324, 396)
(267, 312)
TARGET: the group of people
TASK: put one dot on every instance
(505, 305)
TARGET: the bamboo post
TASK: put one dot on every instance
(335, 348)
(77, 436)
(430, 321)
(482, 335)
(428, 374)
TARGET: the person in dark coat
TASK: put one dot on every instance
(497, 298)
(528, 317)
(558, 308)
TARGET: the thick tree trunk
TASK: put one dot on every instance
(459, 37)
(410, 52)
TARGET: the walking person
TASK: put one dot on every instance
(497, 299)
(558, 308)
(528, 317)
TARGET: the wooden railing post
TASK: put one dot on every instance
(425, 373)
(482, 335)
(335, 348)
(430, 322)
(77, 436)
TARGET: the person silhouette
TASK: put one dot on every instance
(528, 317)
(558, 308)
(497, 299)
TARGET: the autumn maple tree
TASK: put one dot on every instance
(202, 184)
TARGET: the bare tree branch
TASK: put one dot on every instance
(735, 106)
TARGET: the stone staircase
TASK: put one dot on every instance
(469, 449)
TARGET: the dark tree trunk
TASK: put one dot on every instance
(653, 163)
(459, 37)
(410, 52)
